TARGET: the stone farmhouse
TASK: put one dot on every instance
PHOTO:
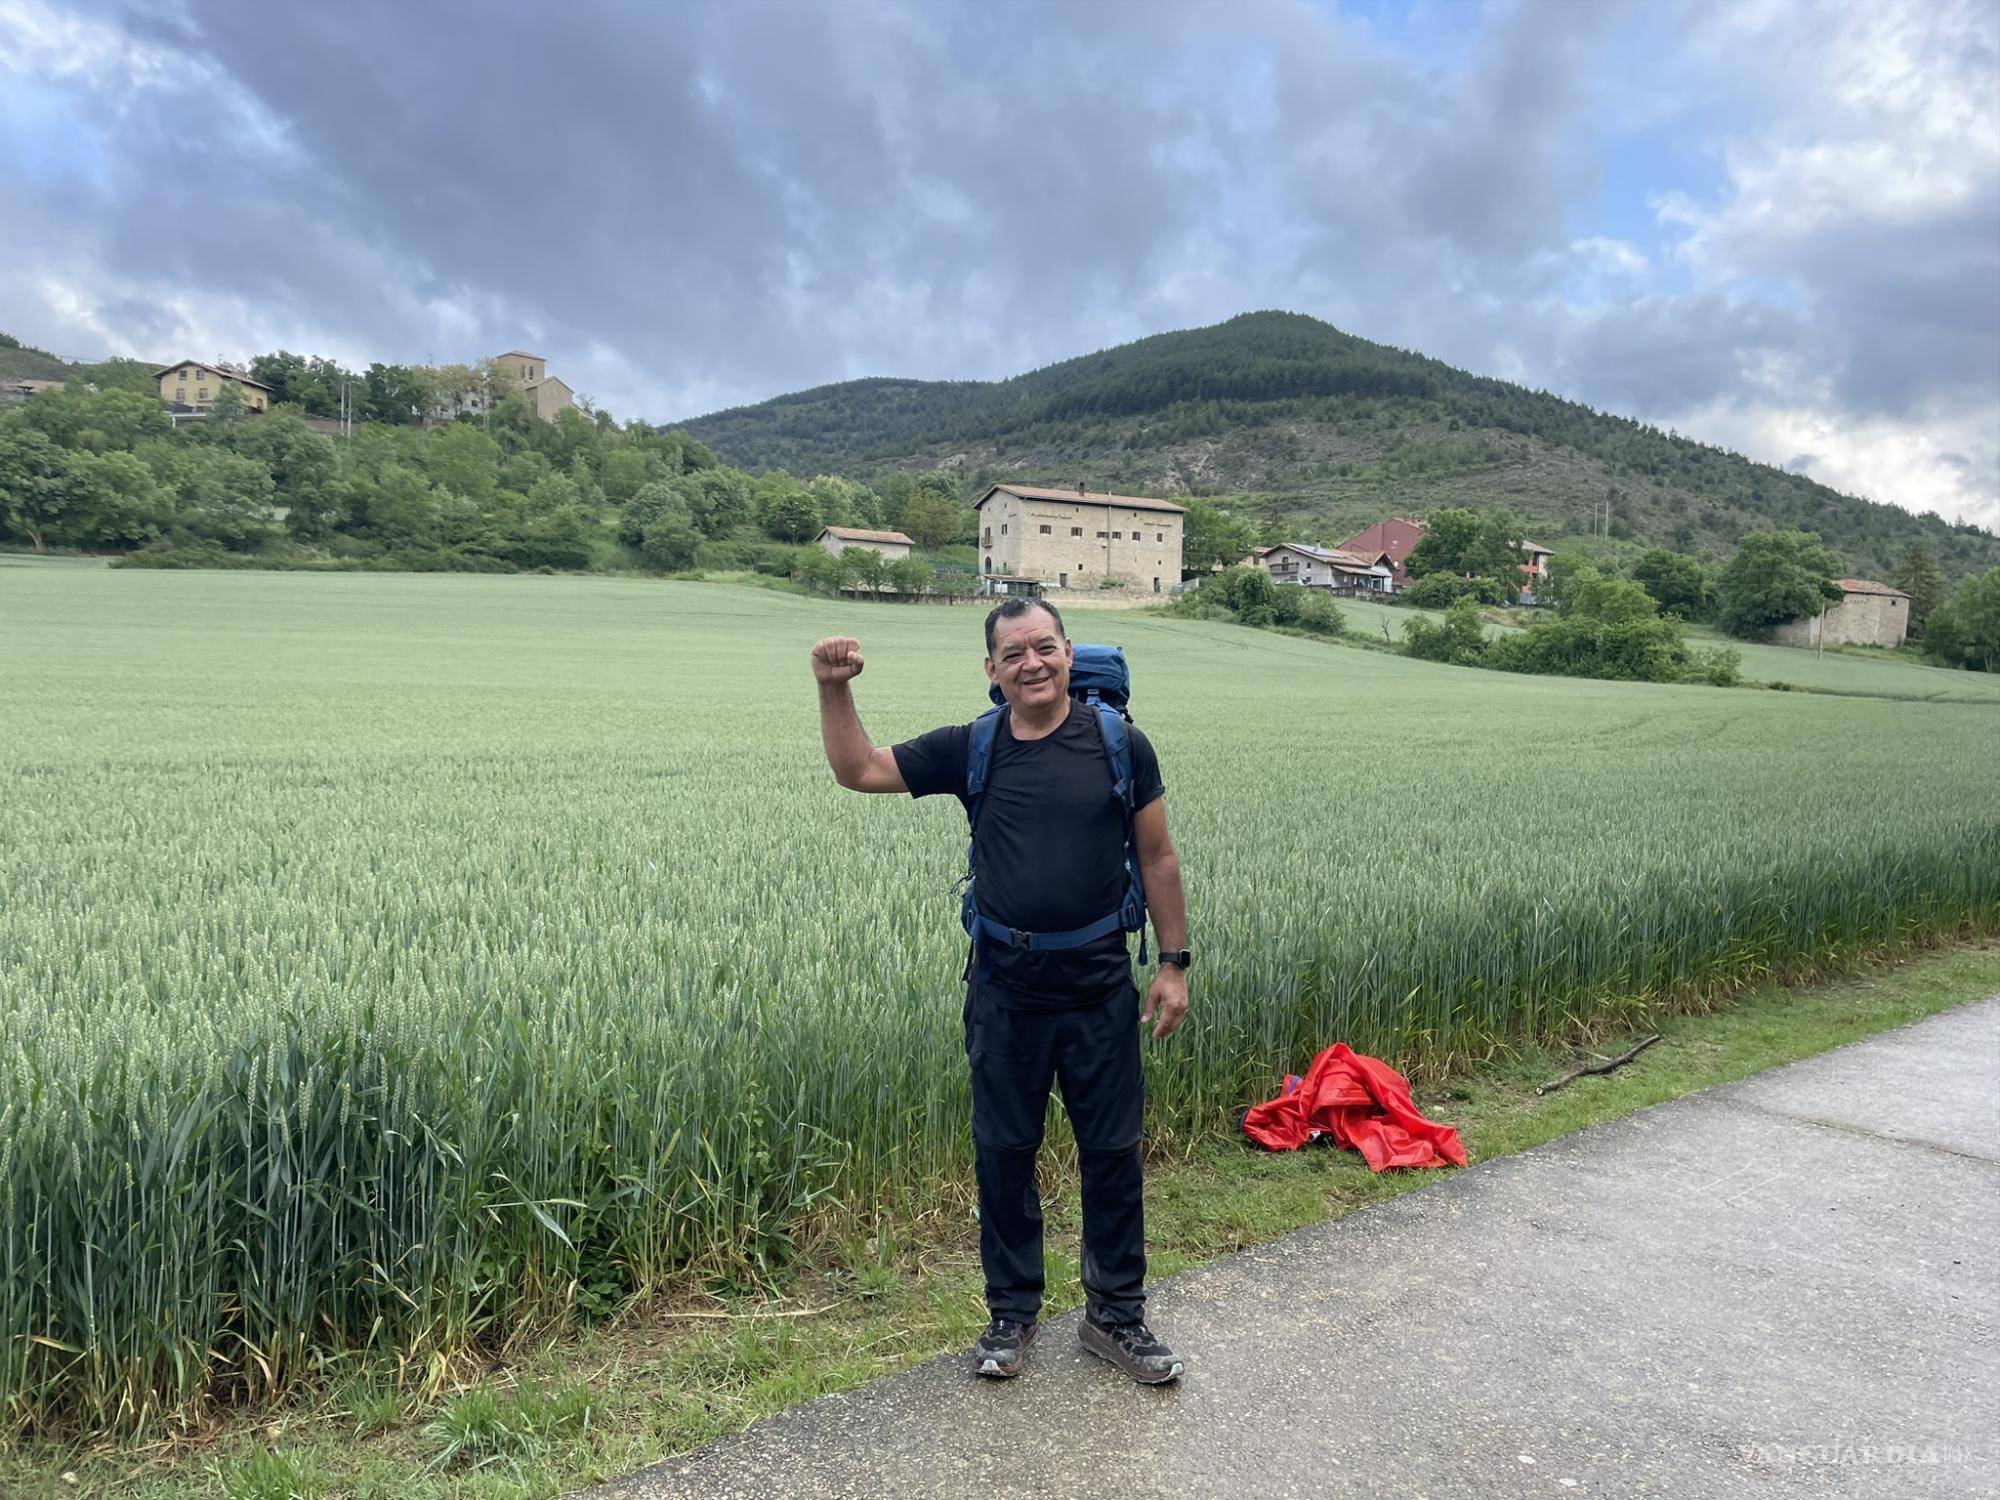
(1031, 538)
(192, 386)
(837, 539)
(1869, 614)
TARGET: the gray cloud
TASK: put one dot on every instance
(686, 206)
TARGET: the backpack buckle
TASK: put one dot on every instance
(1017, 937)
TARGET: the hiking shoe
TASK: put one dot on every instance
(1132, 1347)
(1003, 1348)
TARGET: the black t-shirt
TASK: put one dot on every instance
(1050, 849)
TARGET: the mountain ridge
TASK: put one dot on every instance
(1307, 427)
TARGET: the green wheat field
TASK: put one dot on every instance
(389, 962)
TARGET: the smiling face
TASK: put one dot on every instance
(1030, 661)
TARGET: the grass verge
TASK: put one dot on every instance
(871, 1300)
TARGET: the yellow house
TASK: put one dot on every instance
(193, 386)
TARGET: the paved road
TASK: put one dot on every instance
(1789, 1285)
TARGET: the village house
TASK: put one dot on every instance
(1323, 567)
(546, 394)
(1389, 543)
(1534, 568)
(192, 386)
(1076, 539)
(527, 373)
(1868, 614)
(14, 392)
(837, 539)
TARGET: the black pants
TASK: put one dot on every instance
(1094, 1052)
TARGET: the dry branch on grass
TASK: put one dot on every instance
(1603, 1067)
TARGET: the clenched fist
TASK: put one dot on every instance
(836, 659)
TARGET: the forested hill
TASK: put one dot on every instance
(1323, 432)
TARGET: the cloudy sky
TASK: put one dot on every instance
(1773, 226)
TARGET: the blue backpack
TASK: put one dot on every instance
(1098, 679)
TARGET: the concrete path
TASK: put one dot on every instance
(1789, 1285)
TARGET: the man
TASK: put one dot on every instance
(1050, 858)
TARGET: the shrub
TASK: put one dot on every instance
(1441, 590)
(1459, 641)
(1319, 614)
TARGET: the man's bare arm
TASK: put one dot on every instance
(1160, 868)
(857, 765)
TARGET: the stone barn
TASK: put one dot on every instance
(1869, 614)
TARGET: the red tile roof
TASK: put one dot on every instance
(1868, 586)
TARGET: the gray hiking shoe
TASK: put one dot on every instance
(1003, 1349)
(1132, 1347)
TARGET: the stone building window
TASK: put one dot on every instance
(1076, 531)
(1045, 530)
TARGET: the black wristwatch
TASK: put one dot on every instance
(1180, 958)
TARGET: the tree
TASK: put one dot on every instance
(98, 421)
(863, 567)
(401, 395)
(645, 507)
(1964, 631)
(910, 575)
(1496, 551)
(930, 518)
(118, 504)
(1610, 601)
(1566, 571)
(226, 412)
(718, 499)
(842, 502)
(1678, 584)
(1459, 641)
(1210, 535)
(399, 508)
(789, 514)
(464, 460)
(285, 373)
(212, 495)
(1775, 576)
(818, 569)
(1918, 576)
(36, 484)
(670, 540)
(1244, 591)
(457, 390)
(1448, 545)
(622, 473)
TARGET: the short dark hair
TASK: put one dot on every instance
(1013, 609)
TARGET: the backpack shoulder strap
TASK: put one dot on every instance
(1114, 730)
(979, 758)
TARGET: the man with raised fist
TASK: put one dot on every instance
(1050, 849)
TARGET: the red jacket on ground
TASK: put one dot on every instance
(1361, 1102)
